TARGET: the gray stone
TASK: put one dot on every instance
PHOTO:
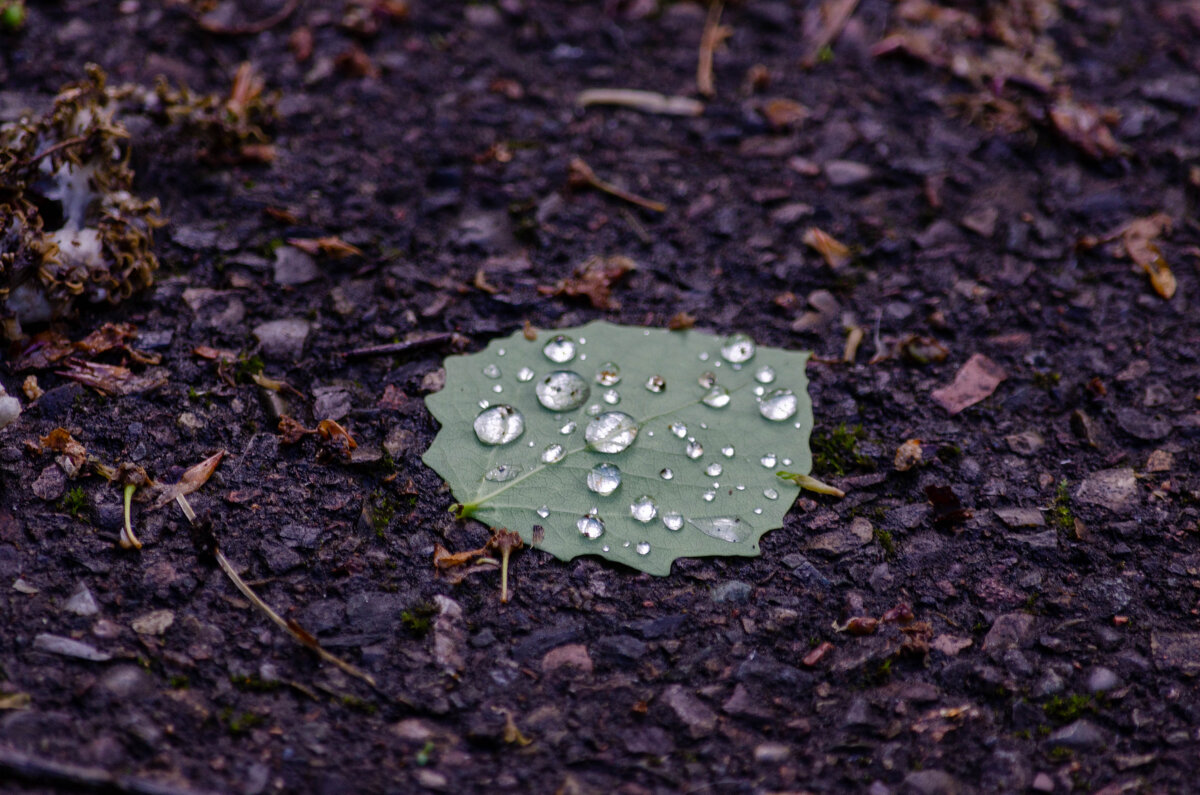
(1020, 517)
(734, 591)
(66, 647)
(283, 339)
(1176, 650)
(331, 402)
(1049, 684)
(82, 603)
(932, 782)
(279, 558)
(1142, 426)
(299, 535)
(1101, 680)
(690, 710)
(1026, 443)
(1082, 735)
(10, 408)
(650, 740)
(1113, 489)
(51, 484)
(449, 635)
(1009, 631)
(844, 173)
(123, 683)
(771, 753)
(843, 540)
(741, 704)
(399, 441)
(293, 267)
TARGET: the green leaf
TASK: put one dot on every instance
(722, 493)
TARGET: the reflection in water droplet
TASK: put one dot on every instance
(612, 397)
(727, 451)
(608, 374)
(656, 383)
(544, 511)
(525, 374)
(502, 472)
(562, 390)
(768, 460)
(717, 397)
(726, 528)
(611, 432)
(560, 349)
(673, 520)
(779, 405)
(497, 388)
(590, 526)
(604, 479)
(694, 449)
(483, 404)
(644, 508)
(771, 494)
(499, 425)
(491, 371)
(666, 474)
(738, 348)
(764, 374)
(679, 429)
(710, 495)
(643, 548)
(708, 379)
(553, 454)
(713, 469)
(568, 428)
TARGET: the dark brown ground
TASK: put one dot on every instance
(1060, 655)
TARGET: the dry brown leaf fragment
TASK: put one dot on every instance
(581, 175)
(835, 253)
(858, 625)
(31, 388)
(975, 381)
(330, 245)
(644, 101)
(816, 655)
(192, 479)
(714, 33)
(292, 431)
(445, 559)
(214, 354)
(782, 113)
(1138, 239)
(908, 455)
(594, 280)
(681, 321)
(50, 347)
(529, 332)
(60, 441)
(1085, 126)
(922, 350)
(337, 436)
(113, 379)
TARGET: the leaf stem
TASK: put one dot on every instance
(811, 483)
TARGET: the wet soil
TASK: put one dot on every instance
(1053, 642)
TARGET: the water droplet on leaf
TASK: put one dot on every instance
(604, 479)
(499, 425)
(553, 454)
(694, 449)
(710, 495)
(726, 528)
(764, 374)
(656, 383)
(608, 374)
(666, 474)
(502, 472)
(544, 511)
(779, 405)
(673, 520)
(612, 397)
(643, 548)
(771, 494)
(768, 460)
(497, 388)
(593, 409)
(568, 428)
(611, 432)
(491, 371)
(560, 349)
(562, 390)
(644, 508)
(679, 429)
(717, 397)
(713, 469)
(525, 374)
(727, 451)
(590, 526)
(738, 348)
(708, 380)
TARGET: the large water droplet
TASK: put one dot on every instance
(768, 460)
(764, 374)
(612, 397)
(544, 511)
(590, 526)
(499, 425)
(611, 432)
(491, 371)
(568, 428)
(713, 469)
(707, 380)
(656, 383)
(710, 495)
(643, 548)
(694, 449)
(727, 451)
(562, 390)
(502, 472)
(604, 479)
(779, 405)
(608, 374)
(679, 429)
(771, 494)
(738, 348)
(666, 473)
(553, 454)
(717, 397)
(726, 528)
(644, 508)
(560, 349)
(673, 520)
(525, 374)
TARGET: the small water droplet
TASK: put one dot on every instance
(500, 351)
(525, 374)
(593, 409)
(710, 495)
(611, 432)
(771, 494)
(560, 349)
(707, 379)
(727, 451)
(758, 510)
(694, 449)
(590, 526)
(679, 429)
(704, 356)
(583, 340)
(553, 454)
(738, 348)
(787, 462)
(502, 472)
(650, 434)
(497, 388)
(798, 425)
(666, 474)
(605, 548)
(483, 404)
(612, 397)
(764, 374)
(562, 390)
(568, 428)
(491, 371)
(499, 425)
(656, 383)
(643, 548)
(604, 479)
(583, 357)
(759, 390)
(717, 397)
(740, 487)
(531, 443)
(768, 460)
(609, 374)
(726, 528)
(673, 520)
(713, 469)
(544, 511)
(644, 508)
(779, 405)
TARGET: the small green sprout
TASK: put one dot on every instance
(74, 501)
(12, 15)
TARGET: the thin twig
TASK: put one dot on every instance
(836, 14)
(253, 27)
(580, 174)
(57, 147)
(712, 36)
(392, 348)
(41, 772)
